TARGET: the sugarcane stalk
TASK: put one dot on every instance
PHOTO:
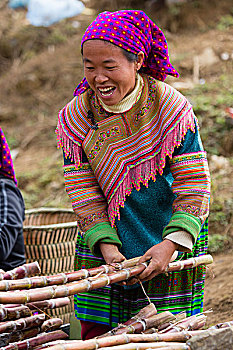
(7, 338)
(26, 270)
(49, 304)
(72, 345)
(190, 323)
(12, 313)
(120, 339)
(44, 293)
(140, 325)
(144, 346)
(51, 324)
(190, 263)
(22, 323)
(180, 316)
(38, 340)
(25, 334)
(63, 278)
(51, 343)
(159, 319)
(145, 312)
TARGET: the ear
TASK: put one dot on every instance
(140, 59)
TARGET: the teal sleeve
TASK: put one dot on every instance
(183, 221)
(101, 232)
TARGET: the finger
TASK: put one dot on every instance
(144, 258)
(153, 267)
(153, 274)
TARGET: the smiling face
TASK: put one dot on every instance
(108, 72)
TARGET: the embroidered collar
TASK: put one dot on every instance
(127, 102)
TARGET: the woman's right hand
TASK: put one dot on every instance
(111, 253)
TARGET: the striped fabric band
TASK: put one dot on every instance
(85, 199)
(191, 184)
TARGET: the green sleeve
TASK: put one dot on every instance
(101, 232)
(183, 221)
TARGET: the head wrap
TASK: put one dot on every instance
(6, 163)
(133, 31)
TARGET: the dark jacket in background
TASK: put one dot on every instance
(11, 212)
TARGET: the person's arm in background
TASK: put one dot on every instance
(11, 212)
(11, 225)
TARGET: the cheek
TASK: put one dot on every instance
(128, 80)
(88, 76)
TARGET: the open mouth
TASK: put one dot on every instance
(105, 92)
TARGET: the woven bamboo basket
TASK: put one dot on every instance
(50, 237)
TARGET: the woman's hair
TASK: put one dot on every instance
(131, 57)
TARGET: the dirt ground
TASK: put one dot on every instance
(40, 67)
(219, 289)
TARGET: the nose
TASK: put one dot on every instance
(100, 77)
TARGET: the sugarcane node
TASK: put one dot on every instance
(143, 323)
(106, 268)
(130, 329)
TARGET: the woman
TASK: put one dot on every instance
(11, 212)
(135, 171)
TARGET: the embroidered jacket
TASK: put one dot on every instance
(110, 160)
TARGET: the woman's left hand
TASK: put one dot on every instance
(159, 256)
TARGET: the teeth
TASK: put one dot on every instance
(105, 89)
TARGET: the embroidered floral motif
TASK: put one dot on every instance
(188, 157)
(95, 104)
(150, 100)
(70, 168)
(85, 223)
(101, 138)
(191, 209)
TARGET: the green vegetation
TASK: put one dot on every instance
(217, 243)
(210, 102)
(225, 22)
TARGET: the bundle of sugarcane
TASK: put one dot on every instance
(64, 278)
(27, 326)
(185, 335)
(101, 277)
(22, 297)
(20, 325)
(34, 329)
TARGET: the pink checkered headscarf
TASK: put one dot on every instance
(133, 31)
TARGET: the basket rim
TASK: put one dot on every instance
(48, 209)
(62, 225)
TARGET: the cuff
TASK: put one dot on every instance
(182, 221)
(103, 232)
(183, 239)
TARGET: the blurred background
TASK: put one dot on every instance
(40, 65)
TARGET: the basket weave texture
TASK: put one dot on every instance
(50, 236)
